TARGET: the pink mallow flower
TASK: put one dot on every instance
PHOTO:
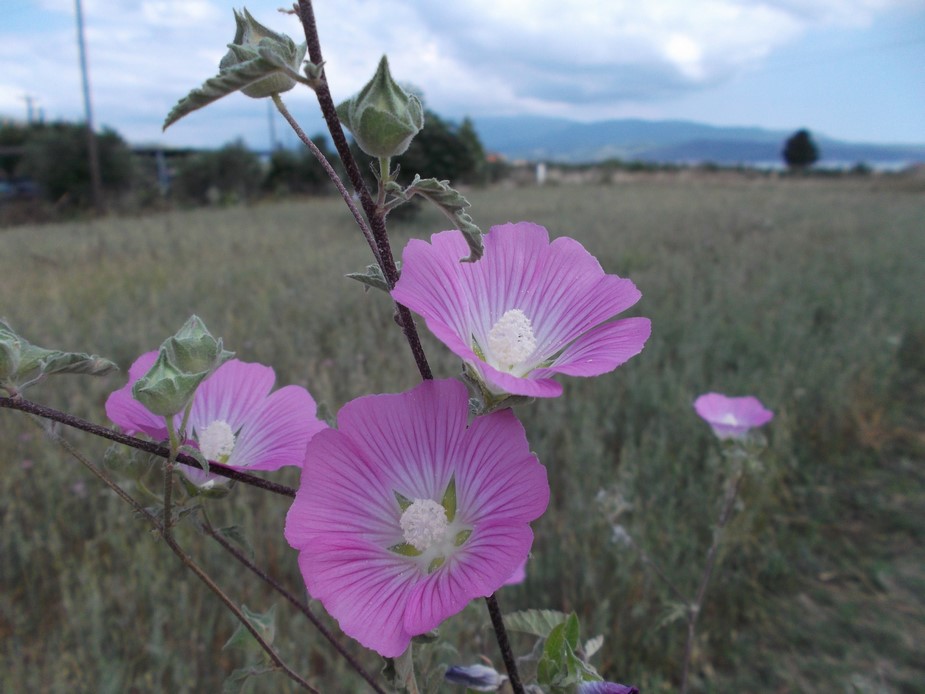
(404, 514)
(527, 310)
(731, 418)
(234, 420)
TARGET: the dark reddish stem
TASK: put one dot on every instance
(375, 216)
(18, 403)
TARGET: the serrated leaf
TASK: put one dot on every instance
(399, 672)
(592, 646)
(452, 203)
(373, 277)
(264, 623)
(230, 80)
(537, 622)
(76, 363)
(236, 681)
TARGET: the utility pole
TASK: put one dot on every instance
(30, 109)
(96, 182)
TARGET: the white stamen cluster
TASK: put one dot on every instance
(424, 524)
(511, 339)
(216, 441)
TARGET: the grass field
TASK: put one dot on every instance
(809, 294)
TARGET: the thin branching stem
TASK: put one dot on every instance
(290, 598)
(182, 555)
(732, 491)
(332, 174)
(23, 405)
(374, 213)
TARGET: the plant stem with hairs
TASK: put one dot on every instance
(375, 213)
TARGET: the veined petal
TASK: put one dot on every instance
(277, 430)
(232, 394)
(489, 558)
(418, 432)
(365, 588)
(602, 349)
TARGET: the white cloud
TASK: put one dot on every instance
(583, 59)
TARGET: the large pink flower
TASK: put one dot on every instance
(404, 514)
(234, 420)
(731, 418)
(529, 309)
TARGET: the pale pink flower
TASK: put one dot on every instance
(529, 309)
(405, 514)
(235, 419)
(731, 418)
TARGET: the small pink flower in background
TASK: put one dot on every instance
(404, 514)
(731, 418)
(529, 309)
(234, 420)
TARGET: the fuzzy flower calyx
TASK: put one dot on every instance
(166, 390)
(193, 348)
(383, 117)
(253, 40)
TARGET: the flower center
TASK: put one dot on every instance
(511, 339)
(729, 419)
(424, 524)
(216, 441)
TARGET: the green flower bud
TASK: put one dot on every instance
(165, 390)
(383, 117)
(10, 352)
(253, 40)
(193, 349)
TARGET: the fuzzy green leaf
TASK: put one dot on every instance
(537, 622)
(453, 205)
(228, 81)
(373, 277)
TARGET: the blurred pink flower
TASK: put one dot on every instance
(234, 420)
(731, 418)
(404, 514)
(529, 309)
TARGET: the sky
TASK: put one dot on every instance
(848, 69)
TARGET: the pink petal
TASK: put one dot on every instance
(491, 555)
(231, 394)
(277, 430)
(503, 382)
(129, 414)
(342, 494)
(364, 588)
(498, 478)
(602, 349)
(415, 434)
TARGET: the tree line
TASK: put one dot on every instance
(44, 167)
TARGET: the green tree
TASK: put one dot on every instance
(55, 157)
(229, 174)
(800, 152)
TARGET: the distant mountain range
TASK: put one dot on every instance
(677, 142)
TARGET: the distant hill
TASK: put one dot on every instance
(677, 142)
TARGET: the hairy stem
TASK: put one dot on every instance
(19, 403)
(332, 174)
(182, 555)
(732, 491)
(374, 214)
(291, 599)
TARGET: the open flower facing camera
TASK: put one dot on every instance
(405, 513)
(526, 311)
